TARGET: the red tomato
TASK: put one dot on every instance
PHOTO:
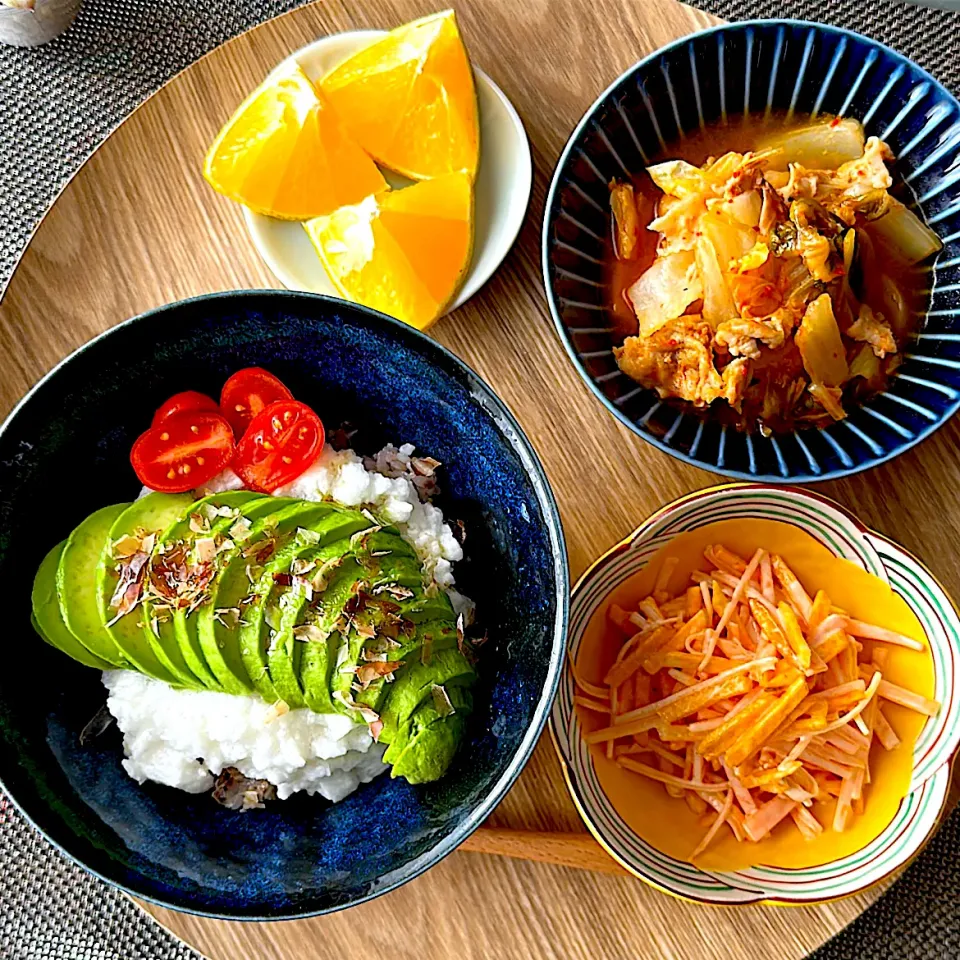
(280, 443)
(187, 402)
(247, 393)
(182, 452)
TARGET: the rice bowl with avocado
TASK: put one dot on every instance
(271, 615)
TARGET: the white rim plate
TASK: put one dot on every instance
(504, 181)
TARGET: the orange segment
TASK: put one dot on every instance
(403, 252)
(409, 99)
(286, 154)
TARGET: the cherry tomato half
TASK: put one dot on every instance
(190, 401)
(280, 443)
(247, 393)
(183, 451)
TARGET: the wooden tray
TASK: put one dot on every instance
(138, 227)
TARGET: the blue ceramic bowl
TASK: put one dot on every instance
(720, 74)
(64, 452)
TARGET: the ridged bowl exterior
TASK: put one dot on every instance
(720, 75)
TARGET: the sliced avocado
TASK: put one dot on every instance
(153, 513)
(425, 745)
(285, 654)
(267, 594)
(318, 656)
(413, 684)
(48, 620)
(380, 559)
(77, 584)
(429, 638)
(178, 629)
(348, 660)
(219, 637)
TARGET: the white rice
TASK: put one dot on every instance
(165, 730)
(185, 738)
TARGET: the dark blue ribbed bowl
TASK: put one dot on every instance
(723, 73)
(64, 452)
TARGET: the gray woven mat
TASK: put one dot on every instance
(56, 104)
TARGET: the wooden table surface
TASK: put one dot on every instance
(138, 227)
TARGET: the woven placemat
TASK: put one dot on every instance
(57, 103)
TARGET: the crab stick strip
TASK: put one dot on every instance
(792, 587)
(650, 609)
(869, 632)
(743, 795)
(759, 824)
(725, 559)
(640, 648)
(668, 778)
(738, 590)
(907, 698)
(885, 733)
(766, 578)
(709, 645)
(707, 595)
(806, 822)
(830, 624)
(844, 809)
(715, 826)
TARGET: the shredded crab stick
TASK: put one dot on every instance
(748, 697)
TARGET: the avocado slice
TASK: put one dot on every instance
(379, 559)
(286, 657)
(414, 683)
(77, 584)
(219, 637)
(425, 745)
(430, 637)
(153, 513)
(48, 620)
(351, 659)
(285, 653)
(176, 628)
(337, 524)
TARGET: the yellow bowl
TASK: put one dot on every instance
(914, 812)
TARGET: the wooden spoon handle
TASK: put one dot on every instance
(566, 849)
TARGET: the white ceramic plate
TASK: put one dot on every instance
(504, 180)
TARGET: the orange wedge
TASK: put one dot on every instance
(286, 154)
(409, 99)
(403, 252)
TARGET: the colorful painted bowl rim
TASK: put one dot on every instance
(562, 726)
(484, 395)
(546, 244)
